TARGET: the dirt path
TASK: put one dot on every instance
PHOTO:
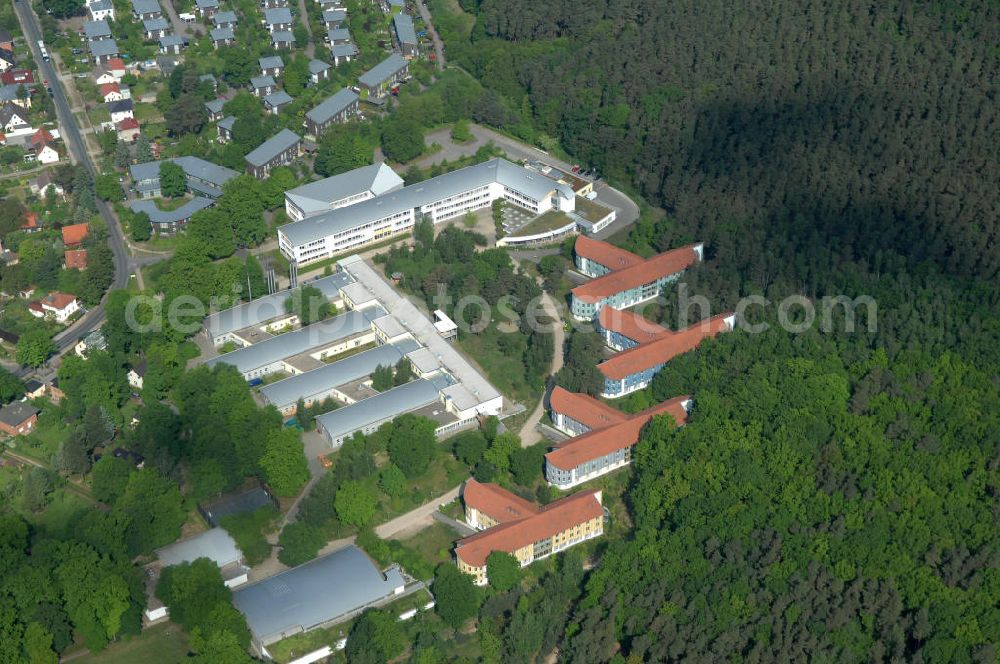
(304, 15)
(529, 436)
(416, 519)
(70, 484)
(425, 14)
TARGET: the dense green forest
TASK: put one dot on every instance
(833, 497)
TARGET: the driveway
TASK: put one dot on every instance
(180, 27)
(416, 519)
(432, 33)
(529, 434)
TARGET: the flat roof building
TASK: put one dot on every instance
(169, 221)
(203, 177)
(321, 592)
(341, 190)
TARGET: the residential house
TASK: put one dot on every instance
(18, 418)
(120, 110)
(7, 60)
(333, 18)
(271, 66)
(319, 71)
(104, 50)
(282, 39)
(13, 118)
(278, 19)
(128, 130)
(273, 4)
(262, 86)
(96, 30)
(206, 8)
(406, 36)
(117, 67)
(101, 10)
(226, 19)
(30, 225)
(75, 259)
(274, 102)
(55, 392)
(155, 28)
(338, 36)
(57, 306)
(225, 128)
(92, 341)
(74, 234)
(6, 41)
(280, 150)
(18, 94)
(103, 77)
(172, 44)
(146, 9)
(43, 182)
(382, 77)
(42, 144)
(334, 109)
(136, 374)
(214, 108)
(111, 92)
(34, 388)
(17, 77)
(341, 53)
(222, 37)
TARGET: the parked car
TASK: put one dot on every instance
(591, 195)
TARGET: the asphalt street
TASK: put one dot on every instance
(74, 141)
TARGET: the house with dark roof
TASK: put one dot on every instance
(383, 76)
(104, 50)
(170, 221)
(280, 150)
(341, 53)
(7, 60)
(203, 177)
(222, 37)
(318, 71)
(121, 109)
(18, 418)
(13, 118)
(214, 109)
(336, 108)
(96, 30)
(6, 41)
(278, 19)
(262, 86)
(206, 8)
(239, 502)
(146, 9)
(101, 10)
(172, 44)
(154, 28)
(271, 65)
(271, 4)
(226, 19)
(333, 18)
(224, 128)
(136, 374)
(282, 39)
(406, 36)
(274, 102)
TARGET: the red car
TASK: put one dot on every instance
(576, 169)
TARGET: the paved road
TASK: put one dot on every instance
(180, 27)
(417, 519)
(78, 149)
(529, 432)
(438, 44)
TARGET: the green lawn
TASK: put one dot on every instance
(60, 516)
(590, 210)
(162, 644)
(144, 112)
(434, 543)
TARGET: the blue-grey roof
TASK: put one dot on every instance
(101, 6)
(288, 344)
(215, 544)
(158, 23)
(145, 6)
(317, 197)
(317, 66)
(338, 35)
(383, 70)
(172, 40)
(158, 216)
(95, 29)
(119, 105)
(207, 4)
(227, 122)
(221, 34)
(224, 17)
(270, 62)
(279, 98)
(268, 307)
(215, 106)
(332, 105)
(104, 47)
(277, 15)
(306, 385)
(258, 82)
(334, 15)
(319, 591)
(210, 78)
(381, 408)
(282, 36)
(343, 50)
(192, 166)
(516, 177)
(404, 29)
(9, 92)
(397, 3)
(272, 147)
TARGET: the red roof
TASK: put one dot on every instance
(636, 275)
(584, 408)
(108, 88)
(496, 502)
(54, 301)
(550, 520)
(595, 444)
(73, 235)
(608, 255)
(632, 325)
(30, 220)
(116, 64)
(128, 123)
(663, 349)
(76, 259)
(41, 137)
(15, 76)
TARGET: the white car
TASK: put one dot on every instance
(591, 196)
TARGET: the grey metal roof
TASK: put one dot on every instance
(338, 34)
(224, 17)
(343, 50)
(332, 105)
(220, 34)
(158, 216)
(397, 3)
(279, 98)
(389, 326)
(17, 412)
(417, 195)
(192, 166)
(215, 544)
(317, 66)
(334, 15)
(158, 23)
(381, 407)
(311, 594)
(227, 122)
(95, 29)
(258, 82)
(282, 36)
(272, 147)
(383, 70)
(317, 197)
(271, 62)
(172, 40)
(145, 6)
(100, 6)
(404, 29)
(305, 385)
(269, 306)
(215, 106)
(207, 4)
(104, 47)
(277, 15)
(283, 346)
(242, 502)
